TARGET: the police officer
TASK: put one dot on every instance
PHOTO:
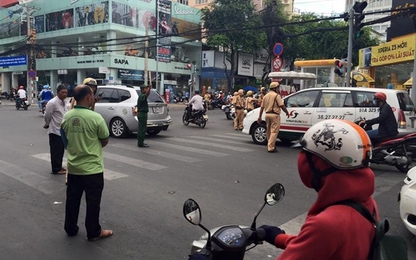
(239, 104)
(272, 104)
(143, 109)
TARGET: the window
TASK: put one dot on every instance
(364, 99)
(106, 97)
(185, 2)
(124, 94)
(200, 2)
(405, 102)
(335, 99)
(302, 99)
(153, 96)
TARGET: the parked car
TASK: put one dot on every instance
(312, 105)
(116, 106)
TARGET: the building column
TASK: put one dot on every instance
(54, 80)
(80, 77)
(5, 82)
(161, 83)
(80, 47)
(53, 49)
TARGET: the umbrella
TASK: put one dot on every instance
(409, 82)
(292, 75)
(361, 77)
(248, 88)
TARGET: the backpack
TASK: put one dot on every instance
(383, 246)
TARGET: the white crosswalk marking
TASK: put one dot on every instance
(32, 179)
(239, 143)
(239, 137)
(158, 153)
(108, 174)
(199, 150)
(133, 162)
(202, 144)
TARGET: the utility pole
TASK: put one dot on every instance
(146, 56)
(350, 45)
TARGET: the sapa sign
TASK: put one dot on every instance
(121, 61)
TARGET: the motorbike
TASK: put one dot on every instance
(399, 151)
(22, 103)
(44, 106)
(229, 111)
(233, 241)
(199, 117)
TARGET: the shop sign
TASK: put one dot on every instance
(400, 50)
(130, 74)
(12, 61)
(245, 64)
(179, 11)
(89, 61)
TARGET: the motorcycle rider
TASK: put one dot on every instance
(331, 231)
(195, 104)
(44, 96)
(21, 95)
(387, 121)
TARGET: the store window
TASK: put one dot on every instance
(200, 2)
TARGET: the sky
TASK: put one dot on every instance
(325, 7)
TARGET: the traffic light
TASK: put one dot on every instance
(190, 82)
(340, 67)
(358, 18)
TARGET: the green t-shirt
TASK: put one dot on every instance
(142, 105)
(84, 128)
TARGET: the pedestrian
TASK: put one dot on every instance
(142, 110)
(54, 113)
(92, 83)
(85, 133)
(272, 104)
(250, 101)
(239, 104)
(263, 92)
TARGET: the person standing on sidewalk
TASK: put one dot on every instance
(273, 104)
(54, 113)
(85, 133)
(239, 104)
(142, 110)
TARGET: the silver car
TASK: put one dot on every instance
(116, 107)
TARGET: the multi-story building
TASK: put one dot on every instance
(375, 6)
(103, 39)
(288, 4)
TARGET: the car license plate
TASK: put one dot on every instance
(156, 110)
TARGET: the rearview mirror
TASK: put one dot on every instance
(192, 212)
(275, 194)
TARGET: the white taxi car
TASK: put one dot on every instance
(309, 106)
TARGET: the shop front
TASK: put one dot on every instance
(324, 71)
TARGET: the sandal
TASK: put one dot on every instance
(104, 234)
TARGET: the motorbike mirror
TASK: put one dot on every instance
(275, 194)
(192, 212)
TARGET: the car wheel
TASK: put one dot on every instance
(118, 128)
(259, 134)
(152, 131)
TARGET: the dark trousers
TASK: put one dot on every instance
(93, 186)
(57, 152)
(141, 131)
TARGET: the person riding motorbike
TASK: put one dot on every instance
(21, 94)
(387, 121)
(44, 96)
(195, 104)
(336, 165)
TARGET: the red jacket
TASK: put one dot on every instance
(337, 232)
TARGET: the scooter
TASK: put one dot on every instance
(400, 151)
(199, 117)
(229, 111)
(229, 242)
(407, 199)
(22, 103)
(44, 106)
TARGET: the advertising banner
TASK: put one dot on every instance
(10, 29)
(208, 59)
(164, 29)
(186, 29)
(124, 14)
(147, 18)
(245, 64)
(59, 20)
(12, 61)
(91, 14)
(364, 58)
(405, 24)
(40, 23)
(393, 52)
(125, 74)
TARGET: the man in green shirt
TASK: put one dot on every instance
(85, 134)
(143, 109)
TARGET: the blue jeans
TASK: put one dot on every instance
(372, 133)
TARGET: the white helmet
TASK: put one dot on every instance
(341, 143)
(407, 198)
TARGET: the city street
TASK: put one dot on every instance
(222, 169)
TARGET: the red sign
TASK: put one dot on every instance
(277, 64)
(8, 3)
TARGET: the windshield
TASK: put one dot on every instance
(153, 97)
(405, 102)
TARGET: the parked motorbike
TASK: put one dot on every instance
(22, 103)
(229, 111)
(399, 151)
(407, 199)
(229, 242)
(199, 117)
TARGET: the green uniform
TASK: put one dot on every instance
(142, 108)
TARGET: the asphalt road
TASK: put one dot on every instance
(145, 189)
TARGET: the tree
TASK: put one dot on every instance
(222, 20)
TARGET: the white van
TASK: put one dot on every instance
(312, 105)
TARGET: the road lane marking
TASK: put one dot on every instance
(134, 162)
(227, 136)
(171, 156)
(190, 149)
(202, 144)
(108, 174)
(222, 140)
(32, 179)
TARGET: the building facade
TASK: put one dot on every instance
(108, 40)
